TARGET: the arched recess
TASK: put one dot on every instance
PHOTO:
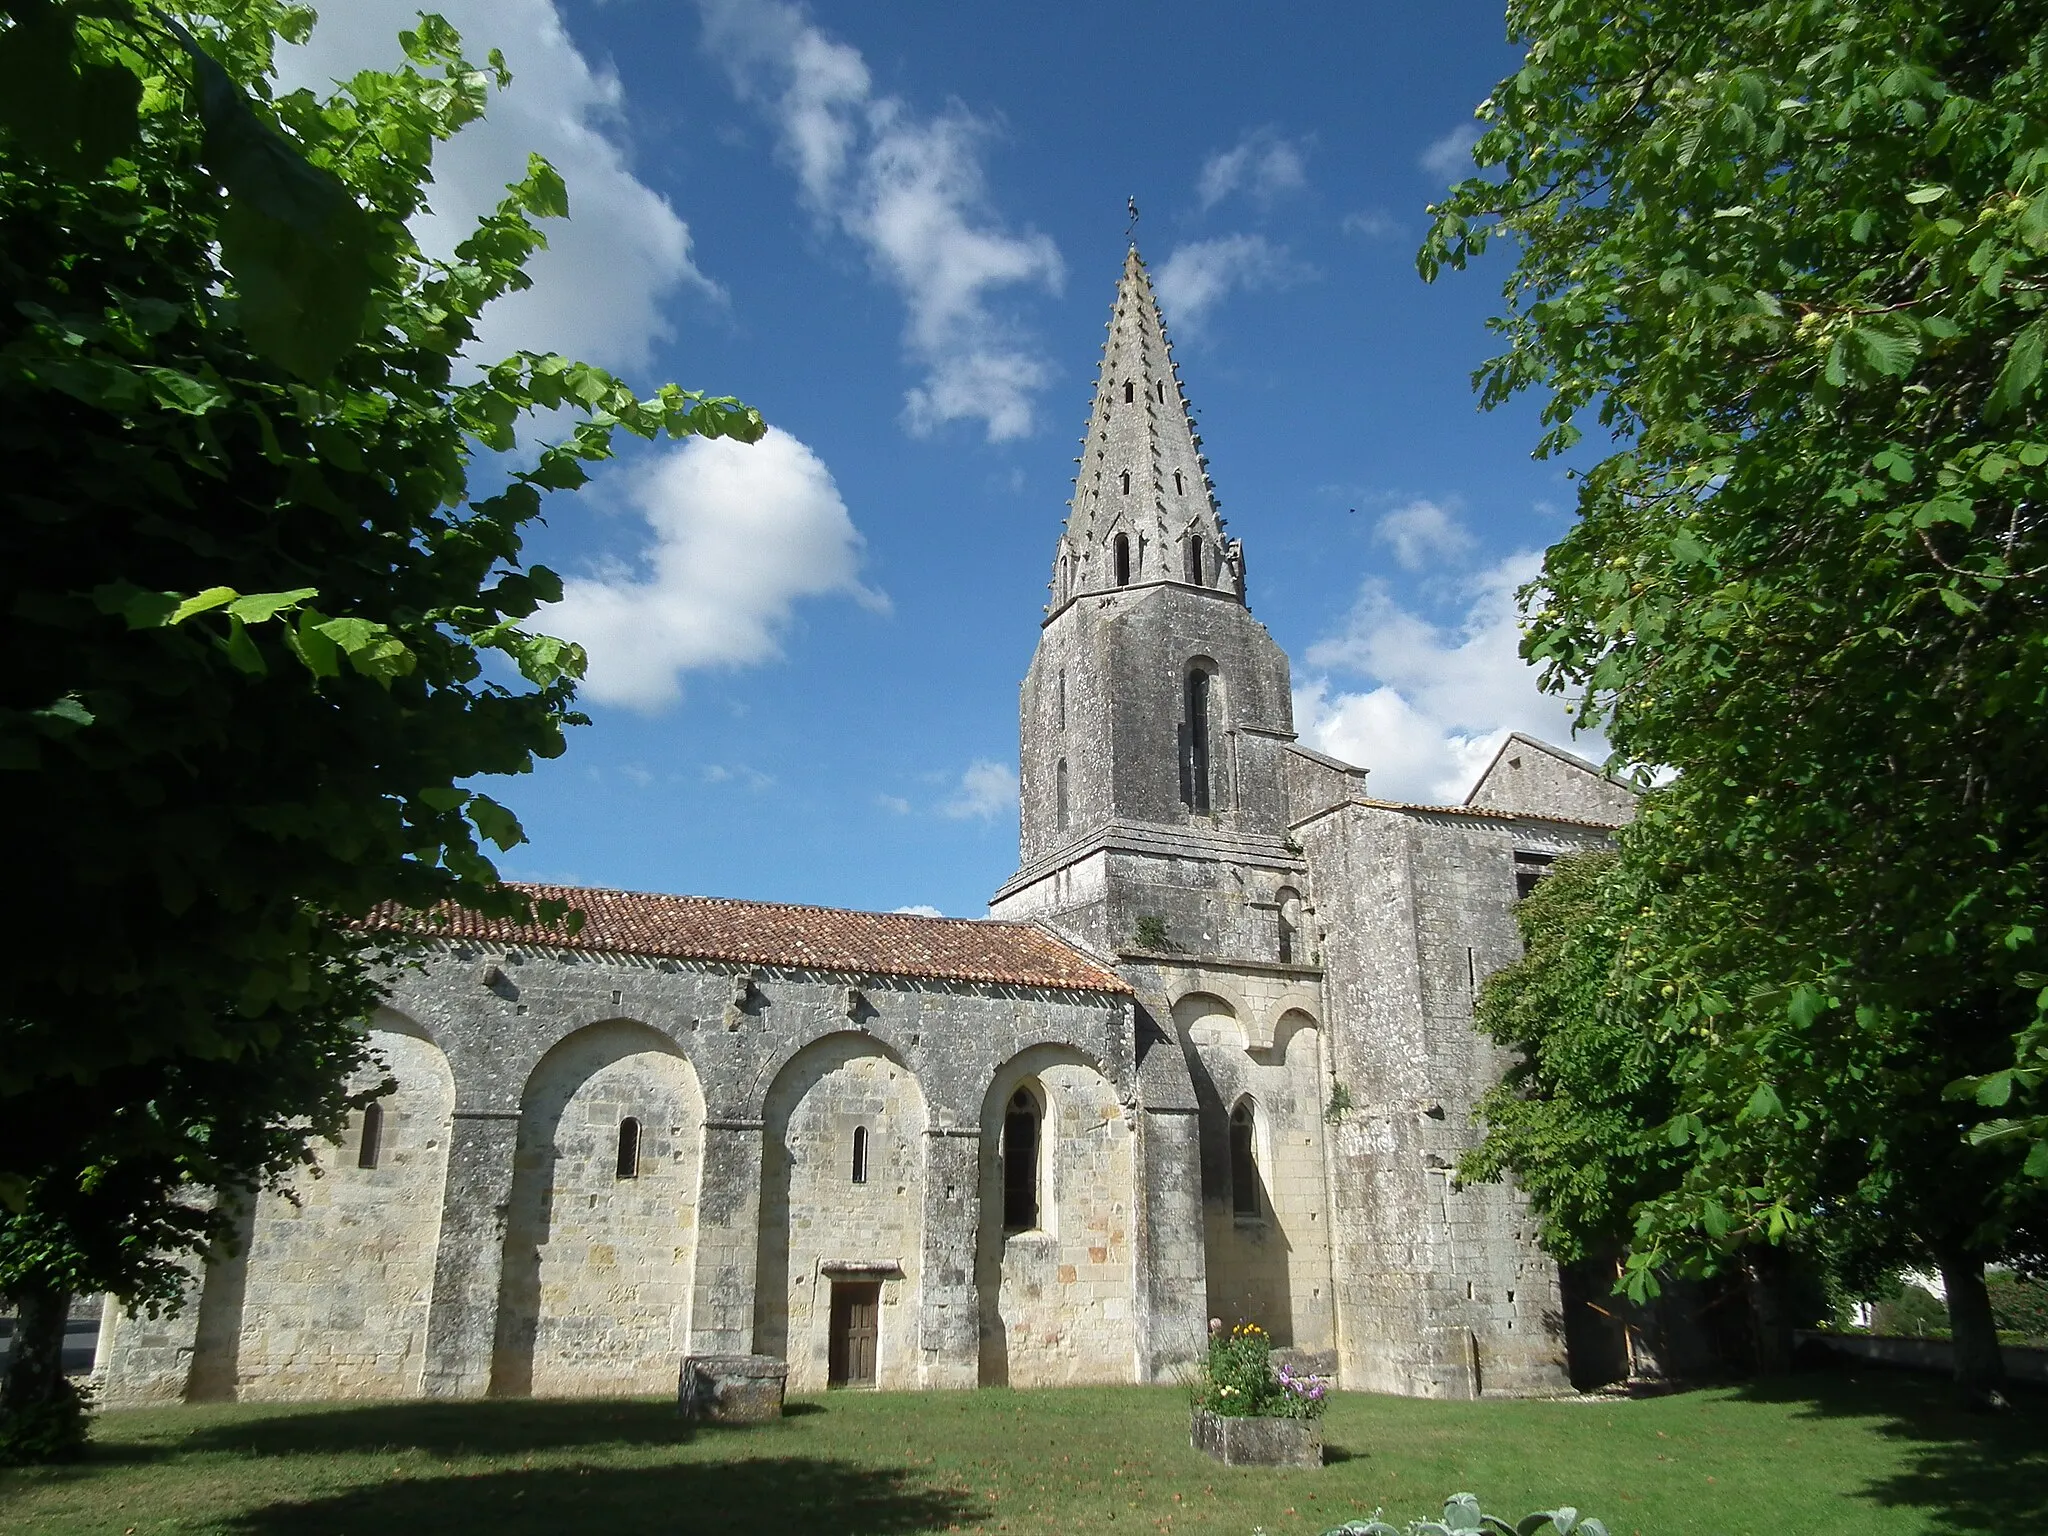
(1057, 1299)
(1262, 1121)
(329, 1296)
(1204, 738)
(595, 1295)
(819, 1229)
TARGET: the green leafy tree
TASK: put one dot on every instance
(1791, 256)
(263, 632)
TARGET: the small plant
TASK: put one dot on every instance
(1463, 1517)
(1239, 1382)
(1339, 1105)
(1150, 933)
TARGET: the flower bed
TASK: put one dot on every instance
(1248, 1414)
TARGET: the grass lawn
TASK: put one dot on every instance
(1868, 1452)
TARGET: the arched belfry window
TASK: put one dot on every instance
(1059, 795)
(1130, 392)
(1195, 739)
(629, 1148)
(371, 1146)
(1195, 559)
(1244, 1163)
(860, 1154)
(1021, 1124)
(1126, 479)
(1122, 551)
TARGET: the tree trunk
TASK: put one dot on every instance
(1980, 1367)
(35, 1376)
(1765, 1276)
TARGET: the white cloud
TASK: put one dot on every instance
(920, 910)
(1196, 277)
(737, 773)
(740, 533)
(1450, 157)
(1371, 224)
(910, 190)
(987, 789)
(601, 289)
(1263, 165)
(1441, 698)
(895, 805)
(1422, 532)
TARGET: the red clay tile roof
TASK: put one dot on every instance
(772, 933)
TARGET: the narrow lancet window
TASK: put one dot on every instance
(371, 1146)
(1244, 1163)
(1123, 559)
(1178, 488)
(1130, 392)
(1195, 785)
(1290, 924)
(860, 1154)
(1195, 559)
(1127, 482)
(1020, 1162)
(1059, 795)
(1162, 391)
(1063, 698)
(629, 1148)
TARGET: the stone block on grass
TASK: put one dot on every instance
(1258, 1442)
(732, 1389)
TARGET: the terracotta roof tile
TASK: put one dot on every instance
(773, 933)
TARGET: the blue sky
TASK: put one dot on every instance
(896, 228)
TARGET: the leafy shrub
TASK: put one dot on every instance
(1238, 1380)
(1915, 1313)
(2019, 1306)
(53, 1430)
(1463, 1517)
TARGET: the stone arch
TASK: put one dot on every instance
(1058, 1301)
(273, 1316)
(596, 1288)
(1207, 1017)
(818, 1228)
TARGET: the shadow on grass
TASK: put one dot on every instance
(1974, 1474)
(768, 1497)
(495, 1427)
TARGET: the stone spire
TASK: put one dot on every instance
(1144, 510)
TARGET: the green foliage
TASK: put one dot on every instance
(1339, 1105)
(2019, 1305)
(52, 1430)
(1238, 1380)
(264, 634)
(1914, 1313)
(1463, 1517)
(1149, 932)
(1791, 256)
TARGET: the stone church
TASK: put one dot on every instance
(1211, 1056)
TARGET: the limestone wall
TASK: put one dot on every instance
(599, 1259)
(1059, 1300)
(818, 1223)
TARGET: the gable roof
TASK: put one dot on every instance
(775, 933)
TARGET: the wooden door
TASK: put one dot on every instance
(856, 1320)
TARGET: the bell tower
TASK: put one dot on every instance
(1157, 709)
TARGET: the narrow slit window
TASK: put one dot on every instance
(1059, 792)
(1244, 1164)
(1020, 1162)
(1123, 559)
(1130, 392)
(1178, 487)
(1197, 785)
(1126, 480)
(1063, 698)
(860, 1154)
(371, 1146)
(1290, 924)
(1162, 391)
(629, 1148)
(1195, 559)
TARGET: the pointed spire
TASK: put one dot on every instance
(1144, 510)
